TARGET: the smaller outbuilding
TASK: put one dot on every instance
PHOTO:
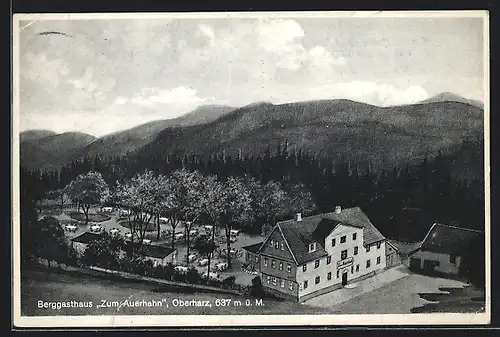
(443, 249)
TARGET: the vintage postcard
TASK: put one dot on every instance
(251, 169)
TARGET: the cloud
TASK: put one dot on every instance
(39, 68)
(363, 91)
(180, 95)
(282, 39)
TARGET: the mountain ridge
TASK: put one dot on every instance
(333, 127)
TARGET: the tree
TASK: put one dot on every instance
(299, 199)
(267, 202)
(50, 240)
(59, 194)
(104, 252)
(211, 210)
(193, 201)
(234, 208)
(141, 195)
(87, 190)
(205, 246)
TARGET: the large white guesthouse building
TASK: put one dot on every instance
(306, 257)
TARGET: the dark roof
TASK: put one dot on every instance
(299, 234)
(86, 237)
(253, 248)
(155, 251)
(449, 239)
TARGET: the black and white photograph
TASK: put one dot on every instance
(251, 168)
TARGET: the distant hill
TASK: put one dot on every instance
(385, 136)
(451, 97)
(129, 141)
(33, 135)
(50, 154)
(52, 150)
(334, 128)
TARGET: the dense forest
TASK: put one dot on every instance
(402, 202)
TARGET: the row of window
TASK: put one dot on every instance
(343, 257)
(273, 265)
(317, 280)
(276, 280)
(276, 244)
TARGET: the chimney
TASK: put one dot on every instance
(338, 209)
(298, 217)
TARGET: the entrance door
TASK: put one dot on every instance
(344, 278)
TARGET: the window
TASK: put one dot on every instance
(338, 274)
(282, 283)
(378, 259)
(291, 286)
(305, 284)
(265, 261)
(304, 267)
(277, 245)
(378, 245)
(316, 264)
(289, 268)
(368, 263)
(356, 250)
(328, 259)
(281, 265)
(352, 269)
(357, 268)
(367, 249)
(316, 280)
(343, 239)
(453, 259)
(354, 236)
(329, 276)
(282, 246)
(274, 280)
(333, 242)
(273, 264)
(312, 247)
(272, 243)
(268, 279)
(343, 254)
(256, 259)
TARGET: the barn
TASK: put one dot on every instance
(443, 249)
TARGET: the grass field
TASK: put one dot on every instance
(38, 286)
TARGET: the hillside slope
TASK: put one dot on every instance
(451, 97)
(123, 142)
(51, 151)
(331, 127)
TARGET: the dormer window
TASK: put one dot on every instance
(312, 247)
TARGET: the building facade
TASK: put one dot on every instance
(442, 249)
(306, 257)
(392, 255)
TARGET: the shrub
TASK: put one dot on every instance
(256, 289)
(193, 276)
(229, 281)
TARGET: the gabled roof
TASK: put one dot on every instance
(298, 234)
(253, 248)
(449, 239)
(86, 237)
(155, 251)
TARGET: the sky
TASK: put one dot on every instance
(102, 76)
